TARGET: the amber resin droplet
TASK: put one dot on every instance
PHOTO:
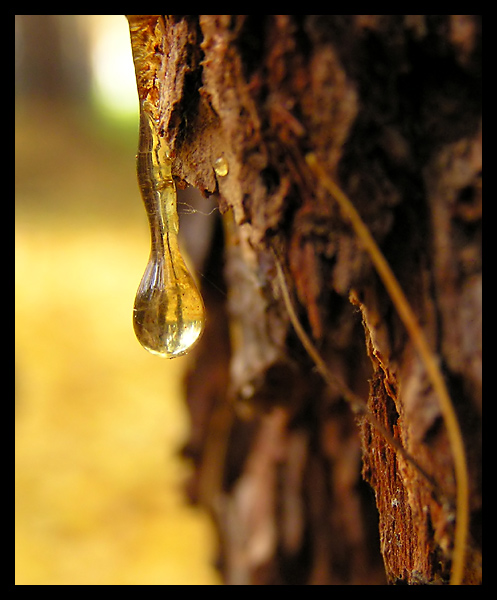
(169, 313)
(221, 166)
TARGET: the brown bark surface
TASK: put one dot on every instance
(391, 107)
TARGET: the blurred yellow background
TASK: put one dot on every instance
(99, 421)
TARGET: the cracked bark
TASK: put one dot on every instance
(391, 106)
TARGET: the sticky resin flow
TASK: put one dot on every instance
(169, 314)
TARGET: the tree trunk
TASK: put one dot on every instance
(301, 490)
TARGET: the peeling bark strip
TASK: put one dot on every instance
(391, 107)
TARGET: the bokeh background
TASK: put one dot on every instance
(99, 421)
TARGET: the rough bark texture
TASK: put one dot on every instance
(391, 106)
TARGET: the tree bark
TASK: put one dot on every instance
(301, 490)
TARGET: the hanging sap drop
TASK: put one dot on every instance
(169, 314)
